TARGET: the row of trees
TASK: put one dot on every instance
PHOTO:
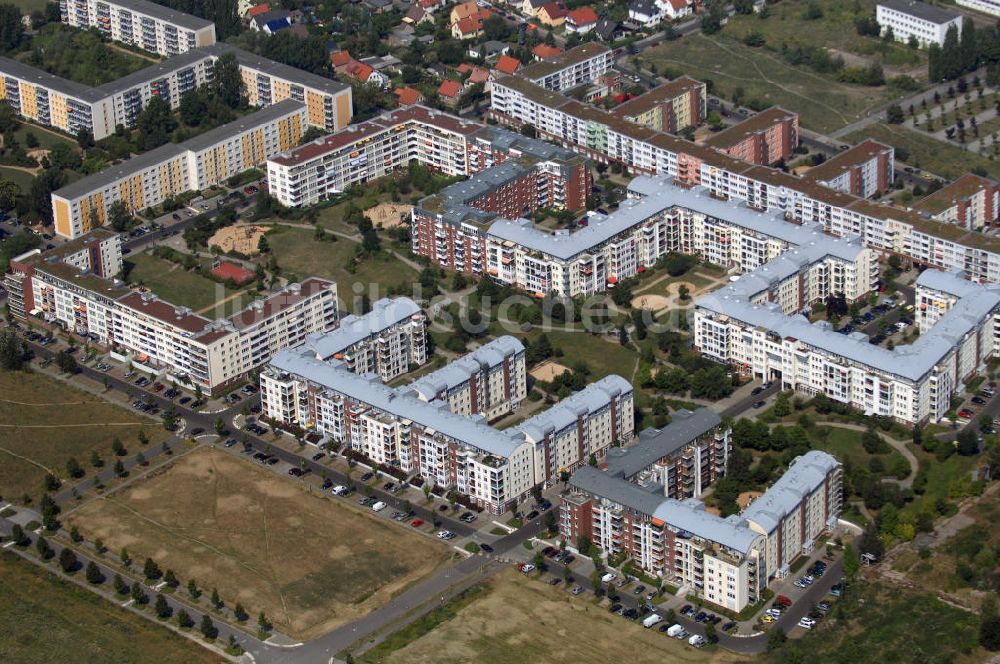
(963, 53)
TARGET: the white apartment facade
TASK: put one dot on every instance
(986, 6)
(388, 341)
(578, 66)
(196, 164)
(605, 138)
(490, 381)
(929, 24)
(146, 25)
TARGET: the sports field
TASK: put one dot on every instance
(311, 564)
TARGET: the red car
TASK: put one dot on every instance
(965, 412)
(416, 523)
(784, 601)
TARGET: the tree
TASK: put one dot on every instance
(989, 632)
(9, 191)
(207, 627)
(143, 438)
(775, 639)
(170, 579)
(184, 619)
(50, 482)
(161, 607)
(151, 570)
(138, 594)
(170, 418)
(119, 217)
(11, 27)
(216, 600)
(67, 560)
(968, 445)
(17, 535)
(263, 623)
(710, 635)
(228, 82)
(93, 573)
(894, 114)
(73, 468)
(117, 447)
(11, 350)
(119, 468)
(220, 425)
(119, 584)
(155, 124)
(240, 613)
(125, 557)
(43, 548)
(66, 362)
(193, 589)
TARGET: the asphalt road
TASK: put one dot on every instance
(746, 403)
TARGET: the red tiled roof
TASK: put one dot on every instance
(586, 15)
(408, 96)
(464, 68)
(508, 64)
(340, 58)
(258, 9)
(449, 89)
(361, 71)
(554, 10)
(465, 10)
(479, 75)
(678, 5)
(227, 270)
(545, 51)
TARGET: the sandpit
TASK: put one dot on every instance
(245, 239)
(653, 302)
(388, 215)
(546, 371)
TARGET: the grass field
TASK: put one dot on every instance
(298, 251)
(47, 619)
(889, 623)
(522, 620)
(823, 103)
(44, 422)
(21, 178)
(28, 6)
(602, 356)
(845, 444)
(46, 138)
(173, 283)
(927, 153)
(309, 563)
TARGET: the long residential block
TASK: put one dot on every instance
(74, 288)
(387, 341)
(575, 67)
(490, 381)
(70, 106)
(767, 138)
(196, 164)
(864, 170)
(970, 202)
(146, 25)
(608, 139)
(727, 561)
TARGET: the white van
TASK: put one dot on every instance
(608, 578)
(379, 506)
(696, 641)
(650, 620)
(675, 631)
(339, 490)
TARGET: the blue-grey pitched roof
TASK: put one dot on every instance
(352, 329)
(655, 444)
(458, 372)
(805, 475)
(473, 431)
(579, 404)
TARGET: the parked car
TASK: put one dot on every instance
(197, 431)
(486, 547)
(416, 523)
(526, 567)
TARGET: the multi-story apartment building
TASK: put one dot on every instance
(98, 254)
(671, 107)
(198, 163)
(607, 139)
(864, 170)
(572, 68)
(751, 325)
(72, 288)
(582, 427)
(368, 150)
(388, 340)
(985, 6)
(684, 458)
(450, 227)
(928, 24)
(726, 561)
(766, 138)
(490, 381)
(971, 202)
(71, 107)
(146, 25)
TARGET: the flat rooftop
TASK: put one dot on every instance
(843, 161)
(767, 118)
(654, 444)
(657, 96)
(950, 195)
(353, 329)
(457, 373)
(163, 13)
(573, 56)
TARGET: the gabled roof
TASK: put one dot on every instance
(678, 5)
(508, 64)
(408, 96)
(340, 58)
(258, 9)
(465, 10)
(545, 51)
(478, 75)
(644, 7)
(606, 28)
(449, 89)
(554, 10)
(582, 16)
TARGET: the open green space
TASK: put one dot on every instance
(764, 78)
(44, 422)
(79, 55)
(604, 355)
(28, 6)
(845, 444)
(47, 138)
(21, 178)
(47, 619)
(181, 287)
(925, 152)
(299, 253)
(879, 622)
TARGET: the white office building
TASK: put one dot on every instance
(929, 24)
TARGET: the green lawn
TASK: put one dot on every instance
(79, 56)
(28, 6)
(823, 103)
(603, 357)
(47, 619)
(46, 139)
(21, 178)
(950, 480)
(178, 286)
(927, 153)
(298, 252)
(44, 422)
(845, 444)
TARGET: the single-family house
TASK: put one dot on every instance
(507, 64)
(552, 14)
(489, 50)
(408, 96)
(450, 93)
(543, 51)
(645, 12)
(608, 30)
(581, 21)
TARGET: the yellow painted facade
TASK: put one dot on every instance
(58, 116)
(343, 110)
(204, 38)
(93, 202)
(29, 107)
(279, 91)
(3, 86)
(60, 211)
(250, 86)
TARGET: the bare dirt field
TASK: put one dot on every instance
(525, 620)
(309, 563)
(546, 371)
(388, 215)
